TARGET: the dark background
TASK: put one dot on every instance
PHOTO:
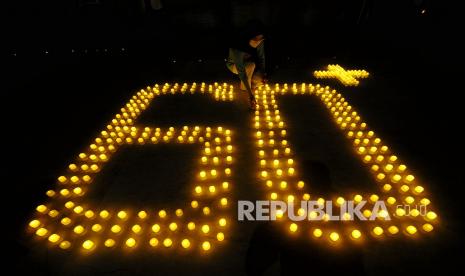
(69, 65)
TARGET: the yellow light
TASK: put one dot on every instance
(431, 215)
(409, 200)
(391, 200)
(122, 215)
(34, 223)
(191, 226)
(428, 227)
(212, 189)
(173, 226)
(162, 213)
(380, 176)
(411, 229)
(142, 214)
(340, 201)
(425, 201)
(116, 229)
(206, 210)
(205, 228)
(89, 214)
(396, 178)
(404, 188)
(419, 189)
(79, 229)
(225, 185)
(358, 198)
(88, 245)
(334, 236)
(153, 242)
(293, 227)
(198, 190)
(383, 214)
(156, 228)
(213, 173)
(356, 234)
(78, 209)
(224, 201)
(269, 183)
(167, 242)
(96, 227)
(41, 232)
(409, 178)
(393, 230)
(222, 222)
(54, 238)
(203, 174)
(130, 242)
(400, 212)
(185, 243)
(346, 216)
(220, 236)
(206, 245)
(317, 233)
(65, 221)
(109, 243)
(194, 204)
(136, 228)
(41, 208)
(65, 244)
(104, 214)
(378, 231)
(274, 196)
(179, 212)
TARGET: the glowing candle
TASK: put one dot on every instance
(411, 229)
(393, 229)
(167, 242)
(378, 231)
(88, 245)
(293, 228)
(356, 234)
(185, 243)
(334, 236)
(206, 245)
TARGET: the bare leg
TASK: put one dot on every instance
(249, 68)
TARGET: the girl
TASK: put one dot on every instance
(246, 51)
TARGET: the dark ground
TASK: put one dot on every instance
(57, 103)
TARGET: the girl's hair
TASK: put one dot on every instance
(253, 28)
(240, 40)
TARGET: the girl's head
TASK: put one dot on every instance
(254, 31)
(256, 40)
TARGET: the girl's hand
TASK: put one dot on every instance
(253, 103)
